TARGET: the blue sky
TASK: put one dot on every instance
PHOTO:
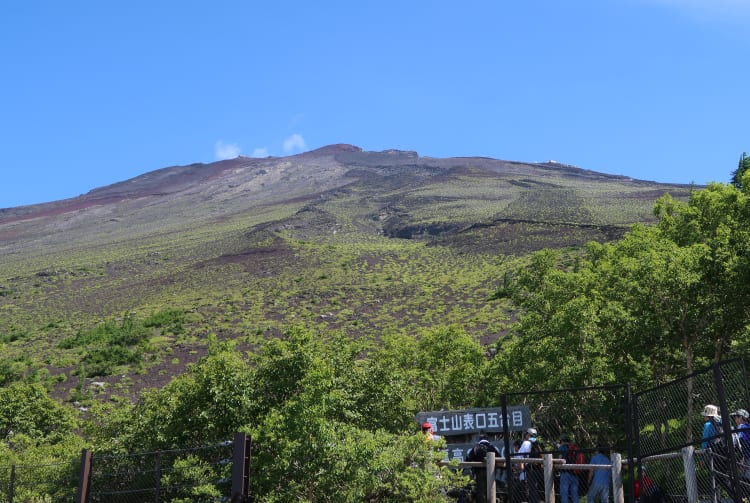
(95, 92)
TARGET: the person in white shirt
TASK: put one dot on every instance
(529, 476)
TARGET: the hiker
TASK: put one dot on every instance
(569, 479)
(712, 427)
(516, 488)
(742, 431)
(428, 431)
(599, 479)
(532, 474)
(713, 444)
(479, 453)
(650, 492)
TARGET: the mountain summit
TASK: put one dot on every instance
(390, 183)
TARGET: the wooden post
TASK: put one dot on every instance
(549, 479)
(84, 477)
(691, 479)
(617, 490)
(491, 489)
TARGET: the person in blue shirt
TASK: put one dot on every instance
(712, 443)
(710, 430)
(568, 478)
(742, 430)
(599, 479)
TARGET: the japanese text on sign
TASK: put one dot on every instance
(458, 422)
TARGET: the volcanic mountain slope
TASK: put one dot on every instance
(334, 239)
(406, 196)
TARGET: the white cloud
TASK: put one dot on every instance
(294, 143)
(260, 152)
(226, 150)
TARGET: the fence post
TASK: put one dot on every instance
(157, 477)
(691, 480)
(617, 491)
(84, 477)
(633, 438)
(12, 488)
(726, 422)
(509, 482)
(549, 479)
(241, 467)
(490, 476)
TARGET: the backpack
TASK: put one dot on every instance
(720, 446)
(653, 494)
(536, 450)
(479, 452)
(574, 456)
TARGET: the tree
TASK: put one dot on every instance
(742, 168)
(558, 341)
(317, 431)
(39, 435)
(26, 410)
(207, 404)
(646, 308)
(717, 221)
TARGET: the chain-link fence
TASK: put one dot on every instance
(54, 482)
(210, 473)
(681, 458)
(660, 433)
(186, 475)
(593, 419)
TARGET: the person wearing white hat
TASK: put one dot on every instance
(712, 426)
(714, 446)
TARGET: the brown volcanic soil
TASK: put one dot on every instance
(184, 231)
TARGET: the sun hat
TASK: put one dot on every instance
(710, 411)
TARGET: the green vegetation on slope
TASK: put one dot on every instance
(307, 326)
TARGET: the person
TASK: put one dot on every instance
(568, 478)
(479, 453)
(599, 478)
(742, 431)
(428, 431)
(532, 474)
(515, 486)
(742, 428)
(651, 492)
(712, 443)
(711, 426)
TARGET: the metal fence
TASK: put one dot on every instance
(56, 482)
(669, 436)
(594, 418)
(212, 473)
(657, 432)
(200, 474)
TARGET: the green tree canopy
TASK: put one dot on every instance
(649, 307)
(742, 168)
(26, 410)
